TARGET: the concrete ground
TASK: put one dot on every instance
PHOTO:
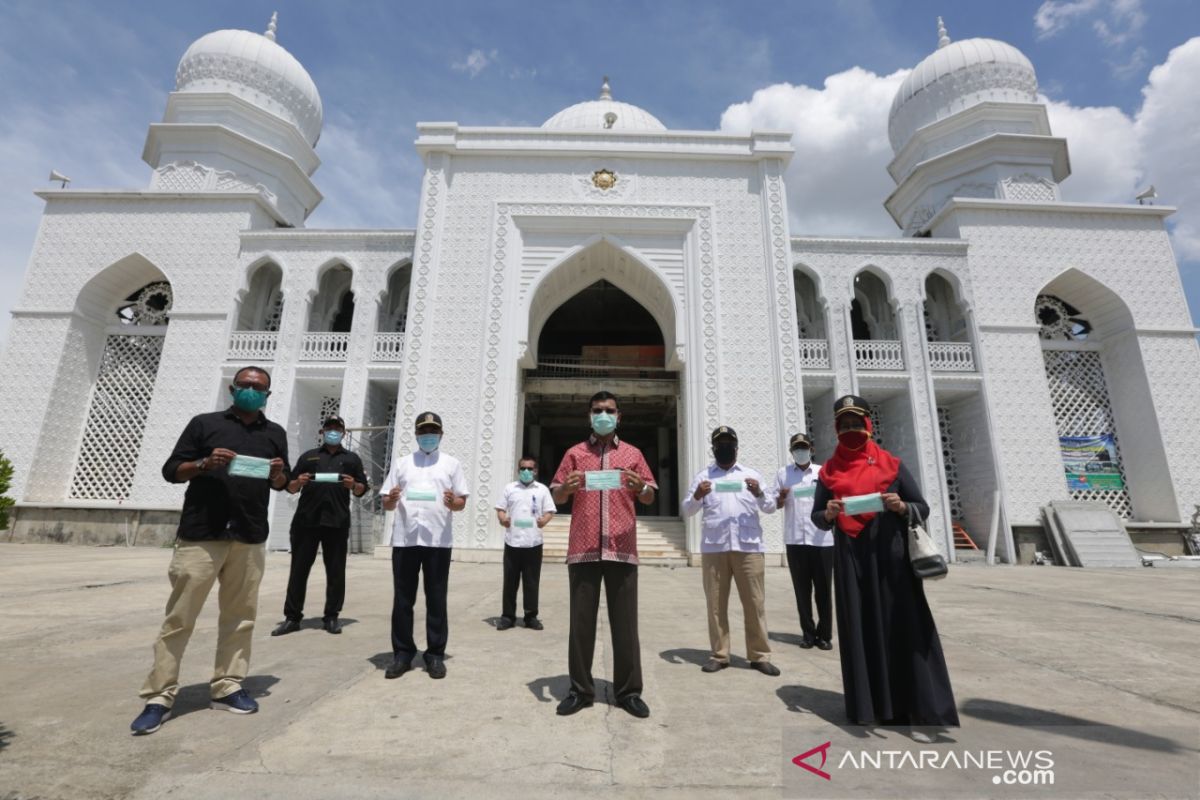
(1025, 646)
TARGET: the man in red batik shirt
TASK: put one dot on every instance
(604, 475)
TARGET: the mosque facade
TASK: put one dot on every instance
(1018, 349)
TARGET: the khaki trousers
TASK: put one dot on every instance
(194, 568)
(748, 571)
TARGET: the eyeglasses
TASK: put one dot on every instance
(248, 385)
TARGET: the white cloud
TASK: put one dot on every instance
(1166, 127)
(837, 180)
(476, 62)
(1053, 16)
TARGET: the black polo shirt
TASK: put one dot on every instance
(217, 505)
(326, 505)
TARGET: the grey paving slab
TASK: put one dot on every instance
(1025, 646)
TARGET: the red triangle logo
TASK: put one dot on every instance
(823, 749)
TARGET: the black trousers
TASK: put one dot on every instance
(620, 588)
(408, 564)
(523, 566)
(334, 543)
(812, 573)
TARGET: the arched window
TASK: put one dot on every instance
(332, 309)
(1083, 408)
(262, 307)
(393, 306)
(120, 402)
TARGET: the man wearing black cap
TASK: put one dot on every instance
(325, 476)
(732, 547)
(809, 549)
(424, 488)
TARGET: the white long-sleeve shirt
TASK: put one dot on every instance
(798, 527)
(730, 519)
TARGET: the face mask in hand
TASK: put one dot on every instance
(428, 442)
(604, 423)
(801, 456)
(725, 452)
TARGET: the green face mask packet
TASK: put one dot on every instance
(602, 479)
(250, 467)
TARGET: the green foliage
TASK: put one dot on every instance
(6, 473)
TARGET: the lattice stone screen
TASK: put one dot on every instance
(1082, 407)
(876, 426)
(950, 462)
(112, 436)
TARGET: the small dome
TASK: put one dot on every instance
(955, 77)
(604, 114)
(256, 69)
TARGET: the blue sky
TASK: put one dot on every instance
(80, 82)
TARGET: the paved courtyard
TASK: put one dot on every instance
(1113, 649)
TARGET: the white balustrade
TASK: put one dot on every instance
(951, 357)
(884, 354)
(814, 353)
(324, 346)
(388, 347)
(252, 346)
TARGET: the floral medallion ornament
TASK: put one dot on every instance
(604, 179)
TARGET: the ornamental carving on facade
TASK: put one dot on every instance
(604, 179)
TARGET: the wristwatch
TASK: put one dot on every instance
(202, 464)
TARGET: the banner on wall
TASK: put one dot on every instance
(1090, 462)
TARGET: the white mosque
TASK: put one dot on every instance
(1018, 349)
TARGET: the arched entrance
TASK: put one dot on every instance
(601, 337)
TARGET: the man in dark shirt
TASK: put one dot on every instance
(325, 477)
(230, 460)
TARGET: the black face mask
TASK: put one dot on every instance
(726, 452)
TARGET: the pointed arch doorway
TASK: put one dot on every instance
(602, 337)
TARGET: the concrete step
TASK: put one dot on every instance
(661, 540)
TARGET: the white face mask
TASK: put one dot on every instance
(801, 456)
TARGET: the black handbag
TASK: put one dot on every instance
(927, 563)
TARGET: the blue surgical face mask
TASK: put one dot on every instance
(428, 442)
(333, 437)
(526, 475)
(248, 399)
(603, 423)
(801, 456)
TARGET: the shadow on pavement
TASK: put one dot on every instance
(556, 689)
(5, 735)
(1004, 713)
(195, 697)
(692, 655)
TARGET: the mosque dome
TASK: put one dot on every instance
(253, 67)
(955, 77)
(604, 114)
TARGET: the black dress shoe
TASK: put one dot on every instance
(332, 625)
(534, 624)
(824, 644)
(765, 667)
(573, 703)
(808, 642)
(713, 665)
(435, 666)
(287, 626)
(398, 668)
(504, 624)
(635, 705)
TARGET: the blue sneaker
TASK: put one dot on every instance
(150, 720)
(239, 703)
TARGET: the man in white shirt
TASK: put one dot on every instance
(423, 488)
(524, 510)
(732, 546)
(809, 549)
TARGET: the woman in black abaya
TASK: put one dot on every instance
(893, 670)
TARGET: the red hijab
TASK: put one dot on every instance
(851, 472)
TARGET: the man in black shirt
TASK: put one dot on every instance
(325, 477)
(230, 460)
